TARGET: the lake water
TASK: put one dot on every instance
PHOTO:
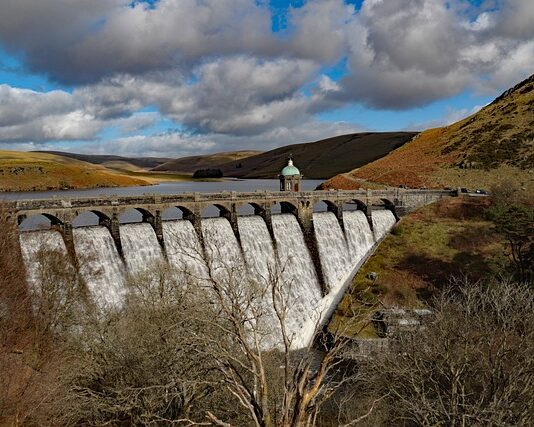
(242, 185)
(88, 218)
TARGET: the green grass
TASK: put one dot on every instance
(427, 247)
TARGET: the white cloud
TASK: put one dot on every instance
(216, 69)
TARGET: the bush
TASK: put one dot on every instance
(208, 173)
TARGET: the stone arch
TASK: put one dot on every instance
(180, 212)
(250, 208)
(209, 211)
(142, 215)
(390, 206)
(283, 206)
(38, 221)
(325, 205)
(88, 218)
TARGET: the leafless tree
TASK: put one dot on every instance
(472, 365)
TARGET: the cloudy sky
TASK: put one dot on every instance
(183, 77)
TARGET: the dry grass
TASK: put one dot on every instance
(22, 171)
(494, 144)
(427, 247)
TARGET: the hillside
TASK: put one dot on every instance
(99, 159)
(192, 163)
(320, 159)
(23, 171)
(449, 238)
(494, 144)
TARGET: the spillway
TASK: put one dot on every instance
(250, 259)
(140, 247)
(37, 248)
(298, 276)
(183, 248)
(333, 248)
(100, 265)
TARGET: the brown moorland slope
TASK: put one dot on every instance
(494, 144)
(192, 163)
(321, 159)
(23, 171)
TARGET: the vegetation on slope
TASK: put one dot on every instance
(452, 237)
(99, 159)
(471, 238)
(320, 159)
(193, 163)
(22, 171)
(495, 143)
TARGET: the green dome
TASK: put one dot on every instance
(290, 169)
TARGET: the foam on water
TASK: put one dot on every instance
(247, 264)
(383, 221)
(34, 246)
(298, 274)
(100, 265)
(140, 247)
(333, 249)
(222, 249)
(257, 247)
(183, 248)
(359, 236)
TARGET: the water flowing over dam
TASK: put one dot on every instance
(252, 253)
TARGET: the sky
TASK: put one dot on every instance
(172, 78)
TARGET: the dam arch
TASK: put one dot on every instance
(39, 221)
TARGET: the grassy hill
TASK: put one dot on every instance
(99, 159)
(192, 163)
(23, 171)
(320, 159)
(494, 144)
(449, 238)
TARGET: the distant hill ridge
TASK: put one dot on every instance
(316, 160)
(98, 159)
(494, 144)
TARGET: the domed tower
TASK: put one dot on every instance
(290, 177)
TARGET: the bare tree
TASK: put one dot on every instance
(472, 365)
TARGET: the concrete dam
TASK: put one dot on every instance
(315, 253)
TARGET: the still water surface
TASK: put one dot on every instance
(88, 218)
(243, 185)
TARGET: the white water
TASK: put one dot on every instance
(183, 248)
(223, 251)
(100, 265)
(140, 247)
(333, 249)
(383, 220)
(257, 247)
(36, 249)
(360, 238)
(299, 277)
(252, 262)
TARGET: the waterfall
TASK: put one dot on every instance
(36, 248)
(100, 265)
(299, 277)
(140, 247)
(333, 249)
(360, 238)
(183, 248)
(245, 264)
(257, 247)
(222, 250)
(383, 221)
